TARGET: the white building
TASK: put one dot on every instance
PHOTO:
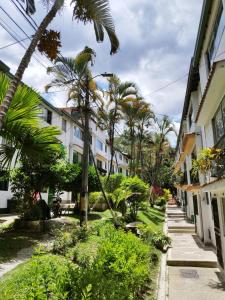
(203, 126)
(72, 139)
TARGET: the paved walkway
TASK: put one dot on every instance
(191, 272)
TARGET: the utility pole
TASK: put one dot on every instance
(85, 163)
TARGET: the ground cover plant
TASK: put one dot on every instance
(100, 263)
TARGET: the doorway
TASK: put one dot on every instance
(217, 231)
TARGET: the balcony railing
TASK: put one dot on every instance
(182, 179)
(194, 177)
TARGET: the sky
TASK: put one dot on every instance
(157, 40)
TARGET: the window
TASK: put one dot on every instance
(120, 156)
(99, 145)
(78, 133)
(77, 157)
(49, 117)
(64, 125)
(127, 173)
(105, 148)
(191, 117)
(4, 182)
(216, 35)
(99, 164)
(223, 208)
(219, 124)
(120, 170)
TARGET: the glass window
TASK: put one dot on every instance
(77, 157)
(4, 182)
(120, 170)
(99, 163)
(120, 156)
(64, 125)
(191, 117)
(105, 148)
(127, 173)
(223, 207)
(99, 145)
(218, 125)
(78, 133)
(49, 117)
(216, 35)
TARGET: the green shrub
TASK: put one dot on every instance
(96, 197)
(160, 201)
(62, 242)
(43, 277)
(120, 269)
(113, 182)
(137, 191)
(157, 238)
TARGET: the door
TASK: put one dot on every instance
(195, 205)
(217, 230)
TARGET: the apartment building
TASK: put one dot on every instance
(203, 126)
(68, 121)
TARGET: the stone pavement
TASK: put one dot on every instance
(191, 268)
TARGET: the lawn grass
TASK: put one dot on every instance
(92, 216)
(153, 217)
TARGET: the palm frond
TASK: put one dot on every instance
(98, 12)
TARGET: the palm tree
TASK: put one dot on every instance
(144, 120)
(22, 132)
(159, 148)
(110, 114)
(130, 108)
(96, 11)
(74, 73)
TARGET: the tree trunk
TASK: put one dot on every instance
(85, 163)
(26, 59)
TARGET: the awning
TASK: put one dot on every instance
(188, 142)
(179, 162)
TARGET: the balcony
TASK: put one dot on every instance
(195, 183)
(181, 181)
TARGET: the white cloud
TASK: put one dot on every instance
(156, 44)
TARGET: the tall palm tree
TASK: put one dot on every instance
(95, 11)
(110, 114)
(144, 120)
(22, 132)
(130, 108)
(74, 73)
(160, 145)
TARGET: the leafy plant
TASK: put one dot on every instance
(43, 277)
(157, 238)
(138, 192)
(113, 182)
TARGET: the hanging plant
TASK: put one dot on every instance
(207, 159)
(49, 44)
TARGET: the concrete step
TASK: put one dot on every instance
(192, 263)
(181, 230)
(188, 251)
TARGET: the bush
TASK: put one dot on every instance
(96, 197)
(120, 269)
(138, 192)
(43, 277)
(97, 201)
(156, 238)
(113, 182)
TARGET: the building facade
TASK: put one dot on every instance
(72, 139)
(202, 195)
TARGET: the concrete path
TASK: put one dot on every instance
(21, 257)
(6, 220)
(191, 272)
